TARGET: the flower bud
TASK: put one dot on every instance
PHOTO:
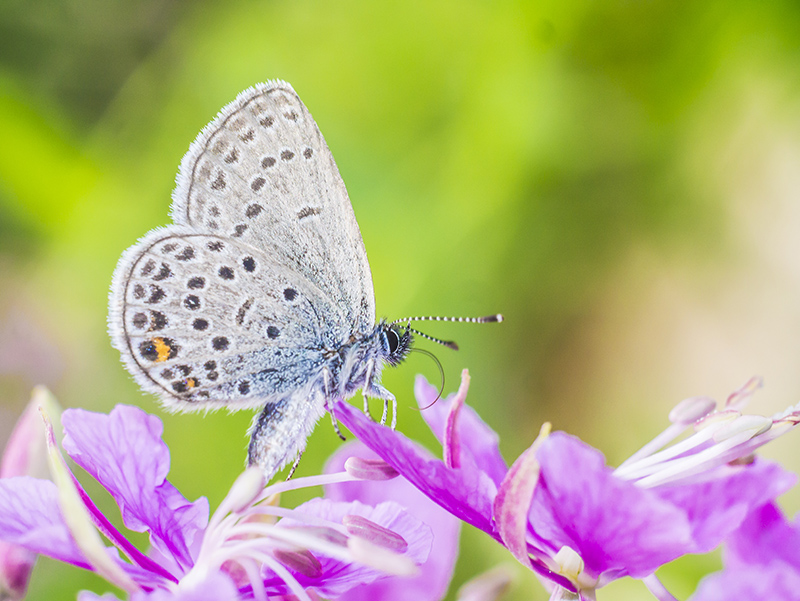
(25, 455)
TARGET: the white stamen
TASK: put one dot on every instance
(381, 559)
(286, 576)
(690, 410)
(326, 533)
(246, 531)
(660, 441)
(648, 465)
(304, 482)
(253, 571)
(245, 490)
(295, 537)
(746, 427)
(655, 586)
(716, 418)
(691, 465)
(298, 516)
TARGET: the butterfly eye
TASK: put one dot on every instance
(392, 340)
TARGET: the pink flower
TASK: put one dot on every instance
(575, 521)
(249, 549)
(25, 455)
(434, 576)
(762, 561)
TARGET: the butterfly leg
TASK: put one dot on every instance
(373, 390)
(378, 391)
(295, 464)
(326, 380)
(386, 410)
(365, 393)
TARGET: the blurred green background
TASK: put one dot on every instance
(620, 179)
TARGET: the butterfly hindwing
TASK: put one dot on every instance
(205, 321)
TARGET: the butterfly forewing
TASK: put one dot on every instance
(261, 173)
(208, 321)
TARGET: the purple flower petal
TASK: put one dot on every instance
(761, 561)
(467, 493)
(451, 443)
(612, 524)
(31, 518)
(477, 438)
(125, 453)
(26, 452)
(25, 455)
(513, 502)
(716, 508)
(16, 564)
(765, 537)
(751, 583)
(435, 574)
(215, 586)
(336, 577)
(156, 573)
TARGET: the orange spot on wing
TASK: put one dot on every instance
(191, 383)
(162, 349)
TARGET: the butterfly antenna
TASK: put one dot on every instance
(496, 318)
(441, 375)
(448, 343)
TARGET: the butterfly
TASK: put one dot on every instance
(259, 295)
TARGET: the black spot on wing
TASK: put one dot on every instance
(186, 254)
(192, 302)
(308, 212)
(253, 211)
(243, 311)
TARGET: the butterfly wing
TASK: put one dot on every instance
(261, 173)
(207, 321)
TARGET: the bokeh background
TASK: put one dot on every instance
(620, 179)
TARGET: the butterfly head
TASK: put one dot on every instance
(395, 342)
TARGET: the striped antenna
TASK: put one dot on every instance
(497, 318)
(447, 343)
